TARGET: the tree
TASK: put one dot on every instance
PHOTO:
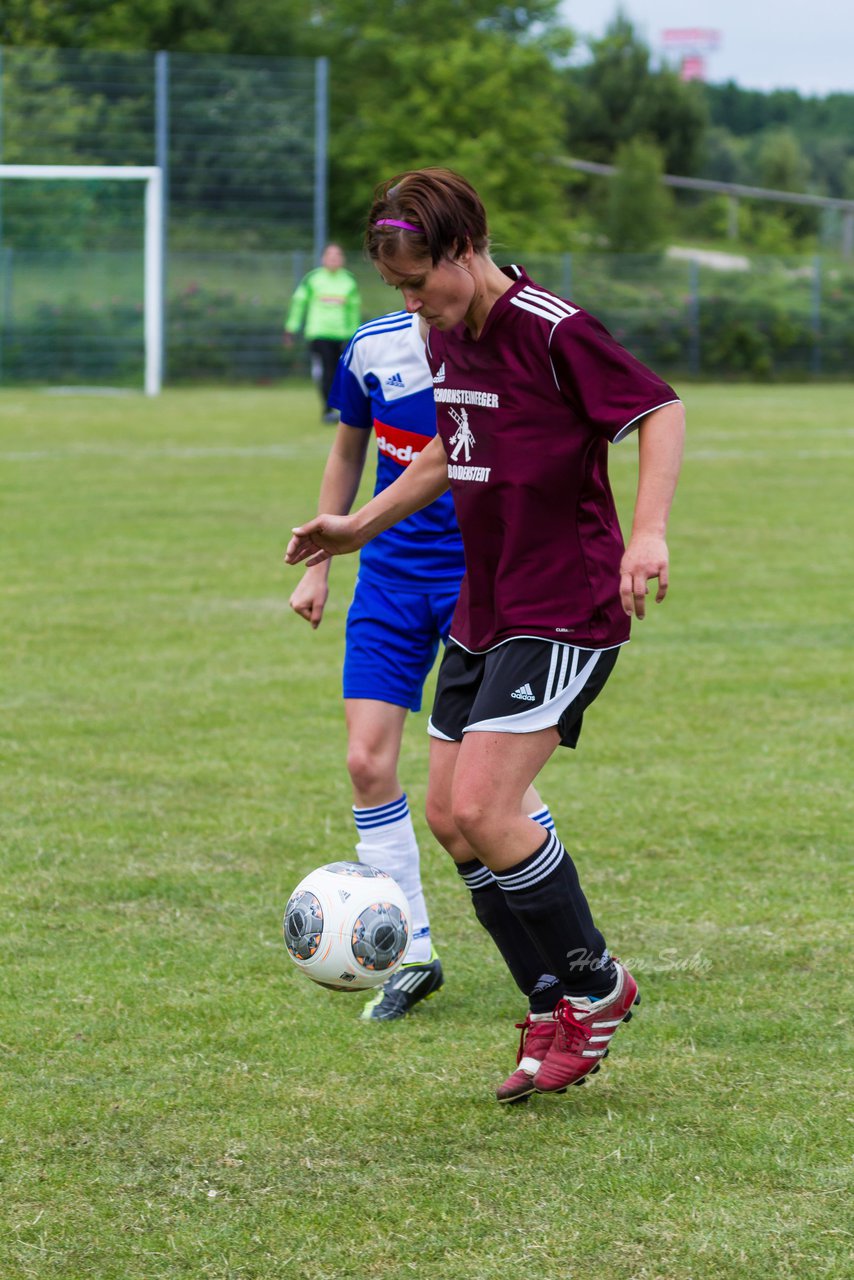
(470, 84)
(192, 26)
(781, 162)
(466, 83)
(639, 206)
(724, 157)
(457, 104)
(618, 96)
(782, 165)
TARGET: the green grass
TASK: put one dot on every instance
(179, 1103)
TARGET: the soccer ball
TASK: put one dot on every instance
(347, 926)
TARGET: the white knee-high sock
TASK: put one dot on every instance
(387, 840)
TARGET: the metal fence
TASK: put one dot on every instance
(242, 144)
(75, 316)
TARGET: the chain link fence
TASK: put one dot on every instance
(75, 316)
(241, 142)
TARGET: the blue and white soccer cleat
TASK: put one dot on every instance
(411, 984)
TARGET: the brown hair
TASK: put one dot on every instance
(445, 210)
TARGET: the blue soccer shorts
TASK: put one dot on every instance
(391, 641)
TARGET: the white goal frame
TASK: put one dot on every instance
(152, 177)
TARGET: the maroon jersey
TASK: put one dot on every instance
(526, 413)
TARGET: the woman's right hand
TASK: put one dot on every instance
(321, 538)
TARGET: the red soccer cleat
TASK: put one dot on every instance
(583, 1031)
(538, 1032)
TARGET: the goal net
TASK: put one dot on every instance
(149, 179)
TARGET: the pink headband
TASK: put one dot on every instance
(395, 222)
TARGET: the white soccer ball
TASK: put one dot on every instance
(347, 926)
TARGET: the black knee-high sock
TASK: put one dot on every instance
(544, 895)
(511, 938)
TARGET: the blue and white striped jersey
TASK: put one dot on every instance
(384, 384)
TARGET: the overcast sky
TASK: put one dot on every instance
(764, 44)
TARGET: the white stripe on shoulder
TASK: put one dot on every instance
(561, 303)
(380, 321)
(628, 428)
(382, 324)
(547, 308)
(374, 331)
(535, 309)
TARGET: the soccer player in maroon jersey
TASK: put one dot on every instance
(530, 391)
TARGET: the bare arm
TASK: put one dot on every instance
(661, 437)
(338, 489)
(330, 534)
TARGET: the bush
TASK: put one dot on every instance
(211, 336)
(76, 343)
(757, 324)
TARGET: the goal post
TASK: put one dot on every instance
(151, 177)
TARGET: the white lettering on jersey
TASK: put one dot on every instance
(457, 472)
(446, 395)
(405, 453)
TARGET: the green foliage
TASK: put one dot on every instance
(795, 143)
(781, 163)
(241, 153)
(506, 154)
(41, 102)
(218, 335)
(241, 148)
(434, 82)
(750, 111)
(639, 207)
(472, 87)
(480, 85)
(364, 22)
(770, 232)
(724, 157)
(213, 334)
(72, 342)
(618, 97)
(193, 26)
(760, 323)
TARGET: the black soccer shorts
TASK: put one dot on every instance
(520, 686)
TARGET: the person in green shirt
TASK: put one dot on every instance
(327, 308)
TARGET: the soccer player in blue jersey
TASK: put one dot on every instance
(405, 595)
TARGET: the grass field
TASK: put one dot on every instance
(179, 1103)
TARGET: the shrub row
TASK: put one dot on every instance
(746, 327)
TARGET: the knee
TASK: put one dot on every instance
(369, 771)
(472, 819)
(440, 821)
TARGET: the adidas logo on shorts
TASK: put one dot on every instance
(524, 693)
